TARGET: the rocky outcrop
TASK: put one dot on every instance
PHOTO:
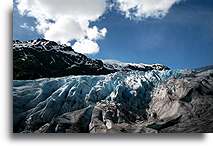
(123, 102)
(184, 104)
(44, 59)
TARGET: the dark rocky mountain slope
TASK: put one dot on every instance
(44, 59)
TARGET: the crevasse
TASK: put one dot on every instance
(38, 101)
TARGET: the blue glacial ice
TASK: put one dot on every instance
(37, 102)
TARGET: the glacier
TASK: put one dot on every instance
(122, 102)
(37, 102)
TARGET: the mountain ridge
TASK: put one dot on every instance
(42, 58)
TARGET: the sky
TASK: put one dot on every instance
(176, 33)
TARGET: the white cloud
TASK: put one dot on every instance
(86, 46)
(94, 33)
(139, 9)
(70, 20)
(26, 26)
(66, 20)
(64, 30)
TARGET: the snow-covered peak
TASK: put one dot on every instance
(123, 66)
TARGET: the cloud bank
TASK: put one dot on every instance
(139, 9)
(70, 20)
(66, 20)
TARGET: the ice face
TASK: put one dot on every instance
(37, 102)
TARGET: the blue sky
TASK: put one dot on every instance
(183, 38)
